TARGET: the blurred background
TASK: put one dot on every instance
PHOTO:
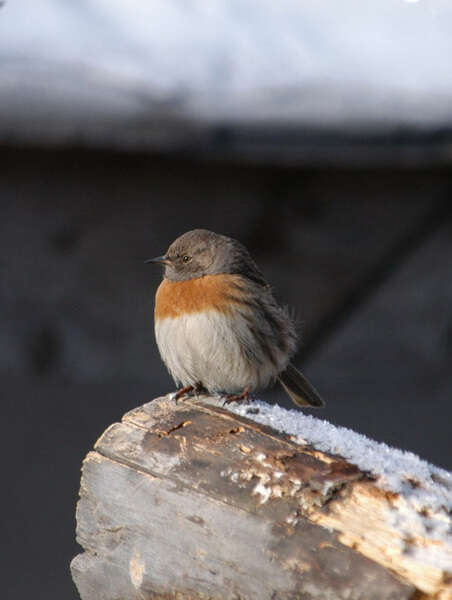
(319, 134)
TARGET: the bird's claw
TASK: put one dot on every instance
(188, 390)
(244, 396)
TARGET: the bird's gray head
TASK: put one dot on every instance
(201, 252)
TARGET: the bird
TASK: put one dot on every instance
(218, 326)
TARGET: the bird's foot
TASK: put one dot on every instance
(244, 396)
(200, 390)
(189, 390)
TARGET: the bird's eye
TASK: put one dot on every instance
(186, 258)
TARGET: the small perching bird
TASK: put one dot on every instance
(217, 325)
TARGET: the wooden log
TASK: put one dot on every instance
(191, 501)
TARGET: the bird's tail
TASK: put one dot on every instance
(301, 391)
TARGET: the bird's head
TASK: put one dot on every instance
(200, 252)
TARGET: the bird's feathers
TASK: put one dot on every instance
(217, 322)
(301, 391)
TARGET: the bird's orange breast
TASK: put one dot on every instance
(211, 292)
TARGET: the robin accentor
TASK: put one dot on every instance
(218, 326)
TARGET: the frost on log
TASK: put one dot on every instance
(191, 501)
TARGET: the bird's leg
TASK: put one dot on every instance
(237, 397)
(185, 390)
(198, 388)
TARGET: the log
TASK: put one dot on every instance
(192, 501)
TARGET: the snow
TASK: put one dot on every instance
(425, 488)
(396, 470)
(321, 63)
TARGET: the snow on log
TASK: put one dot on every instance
(190, 500)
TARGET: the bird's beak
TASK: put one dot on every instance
(158, 260)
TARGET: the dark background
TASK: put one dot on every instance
(362, 255)
(317, 133)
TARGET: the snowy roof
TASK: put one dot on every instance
(171, 74)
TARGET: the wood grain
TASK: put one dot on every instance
(190, 501)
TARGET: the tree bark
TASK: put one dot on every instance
(190, 501)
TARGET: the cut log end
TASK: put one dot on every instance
(188, 500)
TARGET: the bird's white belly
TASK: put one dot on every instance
(207, 347)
